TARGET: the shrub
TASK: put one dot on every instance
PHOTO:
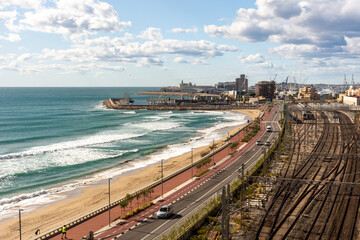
(137, 210)
(204, 153)
(202, 173)
(234, 145)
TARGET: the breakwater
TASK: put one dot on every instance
(110, 104)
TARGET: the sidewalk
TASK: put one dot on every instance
(173, 189)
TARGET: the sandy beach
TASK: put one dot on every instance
(94, 197)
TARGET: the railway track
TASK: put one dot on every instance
(317, 211)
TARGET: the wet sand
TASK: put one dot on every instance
(81, 202)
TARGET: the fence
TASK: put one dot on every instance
(98, 211)
(183, 226)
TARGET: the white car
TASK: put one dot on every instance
(268, 129)
(258, 142)
(165, 211)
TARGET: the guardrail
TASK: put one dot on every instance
(181, 227)
(98, 211)
(199, 212)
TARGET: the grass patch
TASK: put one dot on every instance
(137, 210)
(234, 145)
(202, 173)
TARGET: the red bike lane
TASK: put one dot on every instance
(102, 220)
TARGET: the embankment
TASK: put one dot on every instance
(109, 104)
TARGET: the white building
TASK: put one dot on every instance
(351, 101)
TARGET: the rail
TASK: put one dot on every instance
(53, 232)
(201, 211)
(98, 211)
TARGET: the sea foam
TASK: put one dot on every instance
(84, 142)
(82, 150)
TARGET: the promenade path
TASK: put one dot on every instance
(173, 189)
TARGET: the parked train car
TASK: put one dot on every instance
(307, 115)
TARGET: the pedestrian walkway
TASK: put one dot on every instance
(174, 188)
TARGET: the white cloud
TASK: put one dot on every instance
(180, 60)
(266, 64)
(106, 53)
(257, 58)
(184, 30)
(294, 51)
(322, 24)
(64, 68)
(4, 15)
(200, 62)
(151, 34)
(118, 50)
(23, 57)
(146, 62)
(26, 4)
(70, 18)
(352, 46)
(11, 37)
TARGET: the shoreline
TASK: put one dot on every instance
(92, 196)
(113, 105)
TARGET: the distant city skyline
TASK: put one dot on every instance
(90, 43)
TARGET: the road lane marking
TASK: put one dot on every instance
(197, 200)
(216, 186)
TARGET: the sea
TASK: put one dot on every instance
(56, 140)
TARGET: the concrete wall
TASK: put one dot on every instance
(111, 105)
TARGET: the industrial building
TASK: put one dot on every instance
(265, 89)
(308, 93)
(226, 85)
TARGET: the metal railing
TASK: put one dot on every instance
(57, 230)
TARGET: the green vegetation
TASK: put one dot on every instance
(234, 145)
(204, 153)
(144, 194)
(137, 210)
(252, 130)
(204, 162)
(232, 153)
(202, 173)
(211, 210)
(210, 207)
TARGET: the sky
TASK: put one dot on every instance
(124, 43)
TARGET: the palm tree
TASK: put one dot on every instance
(138, 195)
(129, 198)
(123, 204)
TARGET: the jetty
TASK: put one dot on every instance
(110, 104)
(179, 101)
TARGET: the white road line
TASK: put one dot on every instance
(231, 175)
(260, 149)
(187, 207)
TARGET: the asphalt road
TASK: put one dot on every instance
(153, 227)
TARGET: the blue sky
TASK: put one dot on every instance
(159, 43)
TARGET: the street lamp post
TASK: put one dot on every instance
(192, 162)
(109, 199)
(213, 154)
(20, 222)
(162, 179)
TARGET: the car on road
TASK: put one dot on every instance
(268, 129)
(165, 211)
(258, 142)
(267, 143)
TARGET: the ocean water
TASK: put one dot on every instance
(53, 140)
